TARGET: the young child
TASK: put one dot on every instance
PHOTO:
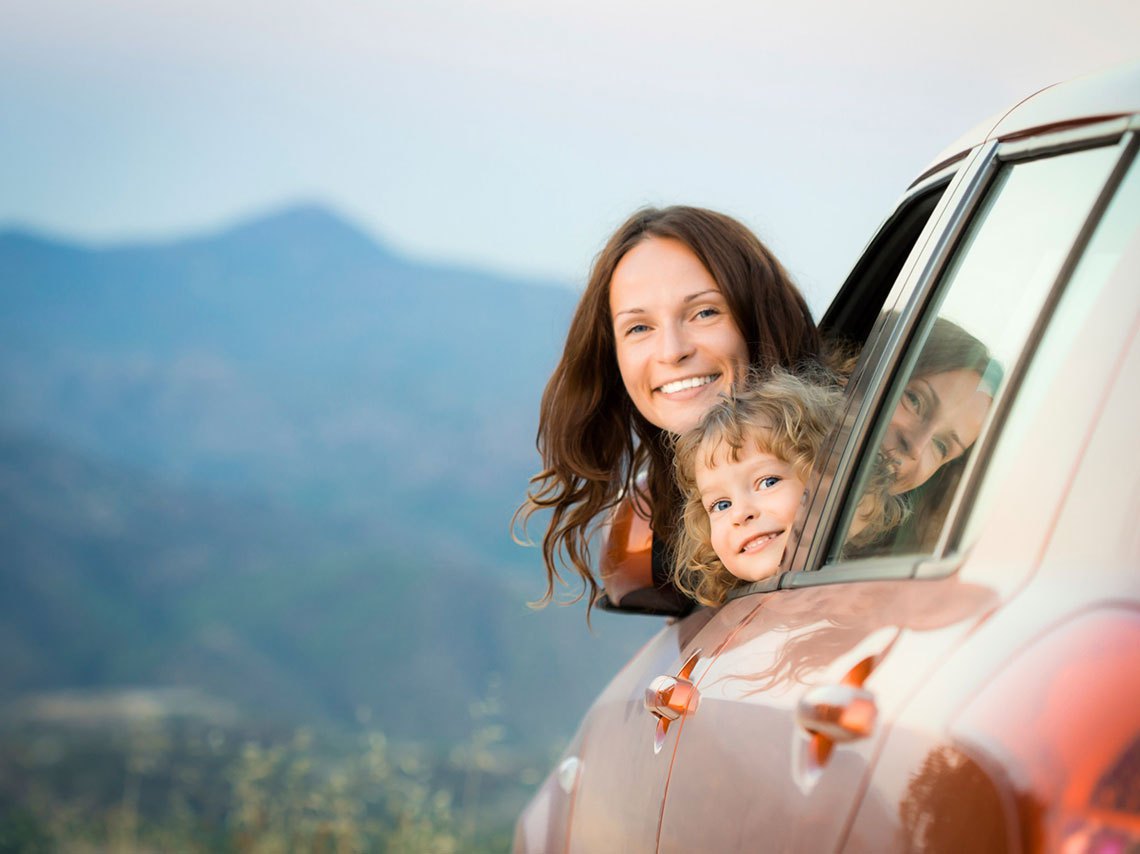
(743, 471)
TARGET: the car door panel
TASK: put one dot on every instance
(631, 770)
(745, 726)
(625, 770)
(975, 738)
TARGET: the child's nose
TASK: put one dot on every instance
(743, 512)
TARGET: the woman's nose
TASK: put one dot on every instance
(920, 441)
(675, 345)
(903, 444)
(912, 442)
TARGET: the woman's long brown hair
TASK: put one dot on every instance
(593, 441)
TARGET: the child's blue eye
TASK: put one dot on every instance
(767, 482)
(720, 506)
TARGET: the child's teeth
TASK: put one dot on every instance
(756, 543)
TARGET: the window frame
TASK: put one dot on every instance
(887, 348)
(830, 482)
(859, 286)
(949, 552)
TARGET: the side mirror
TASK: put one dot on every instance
(633, 570)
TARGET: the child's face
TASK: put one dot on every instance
(751, 502)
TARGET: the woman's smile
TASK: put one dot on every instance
(674, 387)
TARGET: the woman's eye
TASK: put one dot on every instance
(720, 506)
(941, 447)
(637, 329)
(706, 313)
(912, 401)
(767, 482)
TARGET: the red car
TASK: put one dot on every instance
(969, 680)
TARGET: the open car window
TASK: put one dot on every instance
(852, 314)
(956, 366)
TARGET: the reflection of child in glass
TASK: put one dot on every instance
(742, 471)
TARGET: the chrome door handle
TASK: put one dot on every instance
(669, 697)
(838, 712)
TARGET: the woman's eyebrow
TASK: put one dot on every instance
(685, 300)
(618, 314)
(699, 294)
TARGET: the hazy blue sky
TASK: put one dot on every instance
(508, 134)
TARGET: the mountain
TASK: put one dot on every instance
(292, 357)
(277, 464)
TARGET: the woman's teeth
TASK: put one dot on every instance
(692, 382)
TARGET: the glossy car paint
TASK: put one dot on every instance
(1044, 696)
(1006, 688)
(1111, 94)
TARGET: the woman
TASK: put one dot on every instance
(935, 424)
(942, 407)
(679, 304)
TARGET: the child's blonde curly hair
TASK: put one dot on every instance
(785, 415)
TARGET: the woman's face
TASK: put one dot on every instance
(678, 346)
(936, 421)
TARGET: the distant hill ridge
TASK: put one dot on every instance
(282, 354)
(308, 221)
(288, 362)
(304, 230)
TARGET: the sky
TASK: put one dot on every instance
(510, 135)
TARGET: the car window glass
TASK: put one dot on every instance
(955, 365)
(1113, 236)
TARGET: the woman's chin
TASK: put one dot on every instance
(902, 485)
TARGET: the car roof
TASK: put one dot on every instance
(1108, 94)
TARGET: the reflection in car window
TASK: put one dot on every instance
(980, 319)
(1113, 236)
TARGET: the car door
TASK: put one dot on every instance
(1027, 738)
(619, 767)
(789, 713)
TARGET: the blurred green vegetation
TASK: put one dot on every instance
(154, 783)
